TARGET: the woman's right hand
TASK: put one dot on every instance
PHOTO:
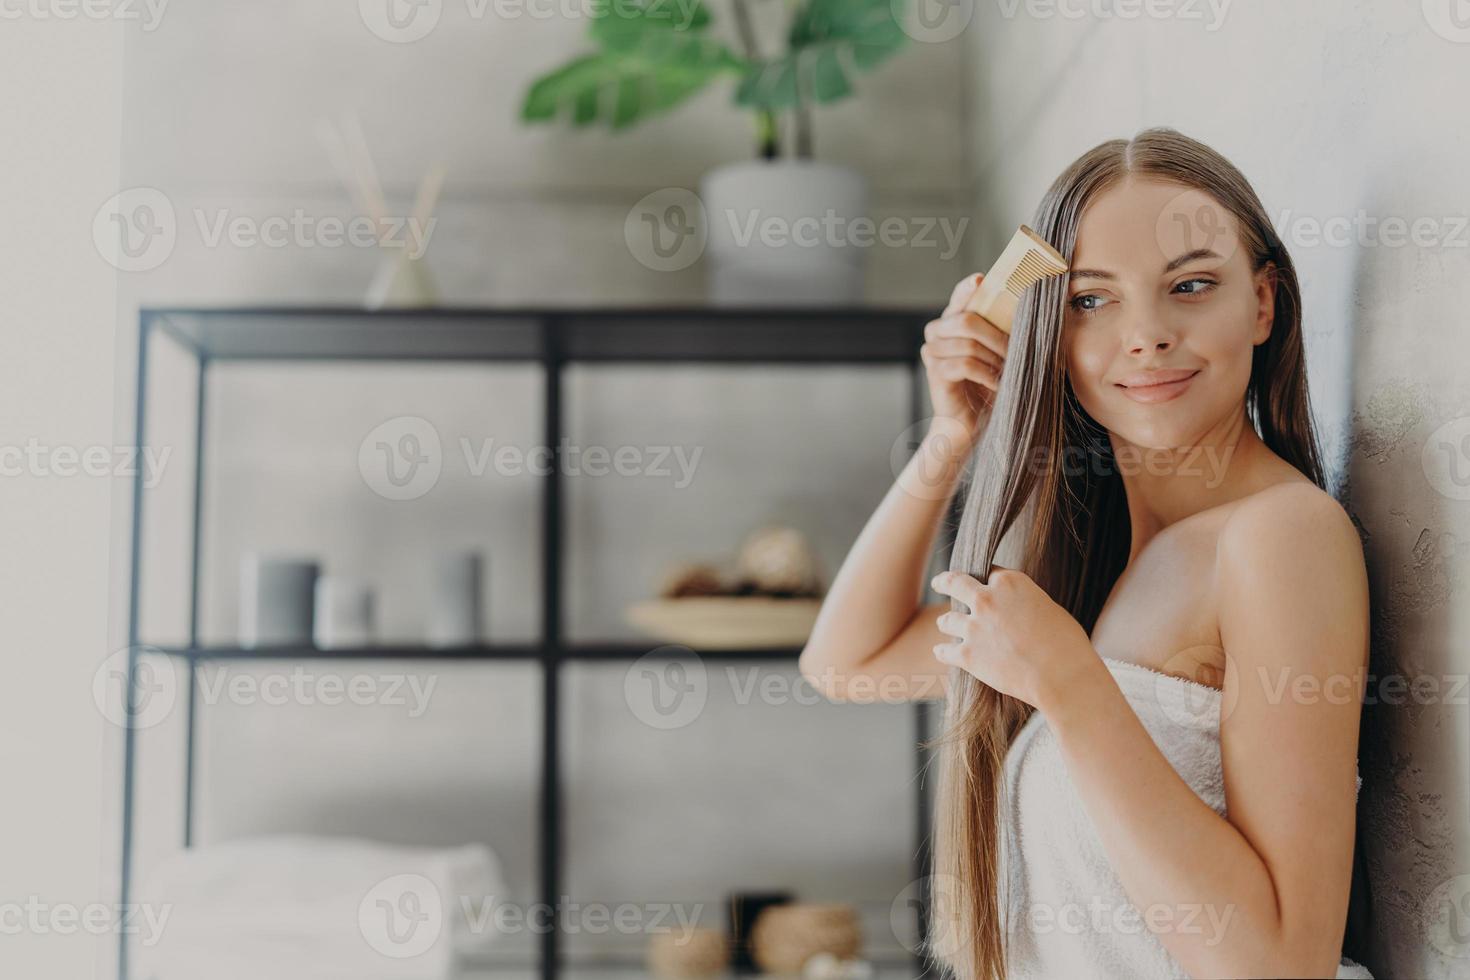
(963, 354)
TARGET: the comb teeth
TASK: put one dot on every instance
(1033, 267)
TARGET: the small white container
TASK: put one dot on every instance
(454, 600)
(344, 613)
(277, 596)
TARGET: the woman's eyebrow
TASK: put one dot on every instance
(1199, 253)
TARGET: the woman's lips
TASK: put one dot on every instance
(1151, 393)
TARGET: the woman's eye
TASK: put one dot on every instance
(1080, 303)
(1205, 285)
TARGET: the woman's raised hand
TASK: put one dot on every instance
(963, 354)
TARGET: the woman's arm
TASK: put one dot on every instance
(872, 640)
(1269, 886)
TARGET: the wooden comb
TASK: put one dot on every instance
(1027, 260)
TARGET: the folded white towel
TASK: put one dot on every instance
(320, 907)
(1067, 912)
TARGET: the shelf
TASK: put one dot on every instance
(578, 651)
(541, 339)
(861, 335)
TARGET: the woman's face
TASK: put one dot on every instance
(1162, 291)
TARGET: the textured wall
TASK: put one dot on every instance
(1317, 102)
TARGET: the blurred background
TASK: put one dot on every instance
(324, 209)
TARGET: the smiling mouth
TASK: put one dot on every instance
(1162, 392)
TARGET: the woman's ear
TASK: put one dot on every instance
(1265, 302)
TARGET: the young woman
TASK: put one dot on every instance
(1149, 763)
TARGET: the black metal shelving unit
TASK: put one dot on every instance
(548, 337)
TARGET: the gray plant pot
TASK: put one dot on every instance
(781, 233)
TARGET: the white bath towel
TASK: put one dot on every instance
(318, 907)
(1067, 912)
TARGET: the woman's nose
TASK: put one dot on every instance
(1148, 338)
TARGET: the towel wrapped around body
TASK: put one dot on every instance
(1066, 912)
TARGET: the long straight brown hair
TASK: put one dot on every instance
(1077, 537)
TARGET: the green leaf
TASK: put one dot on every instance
(830, 42)
(620, 87)
(829, 81)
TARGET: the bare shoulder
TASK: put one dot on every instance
(1289, 563)
(1294, 519)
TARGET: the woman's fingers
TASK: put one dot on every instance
(958, 585)
(968, 369)
(969, 325)
(961, 347)
(963, 290)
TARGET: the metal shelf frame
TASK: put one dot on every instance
(553, 338)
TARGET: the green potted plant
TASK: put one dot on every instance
(775, 223)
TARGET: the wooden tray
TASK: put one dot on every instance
(727, 622)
